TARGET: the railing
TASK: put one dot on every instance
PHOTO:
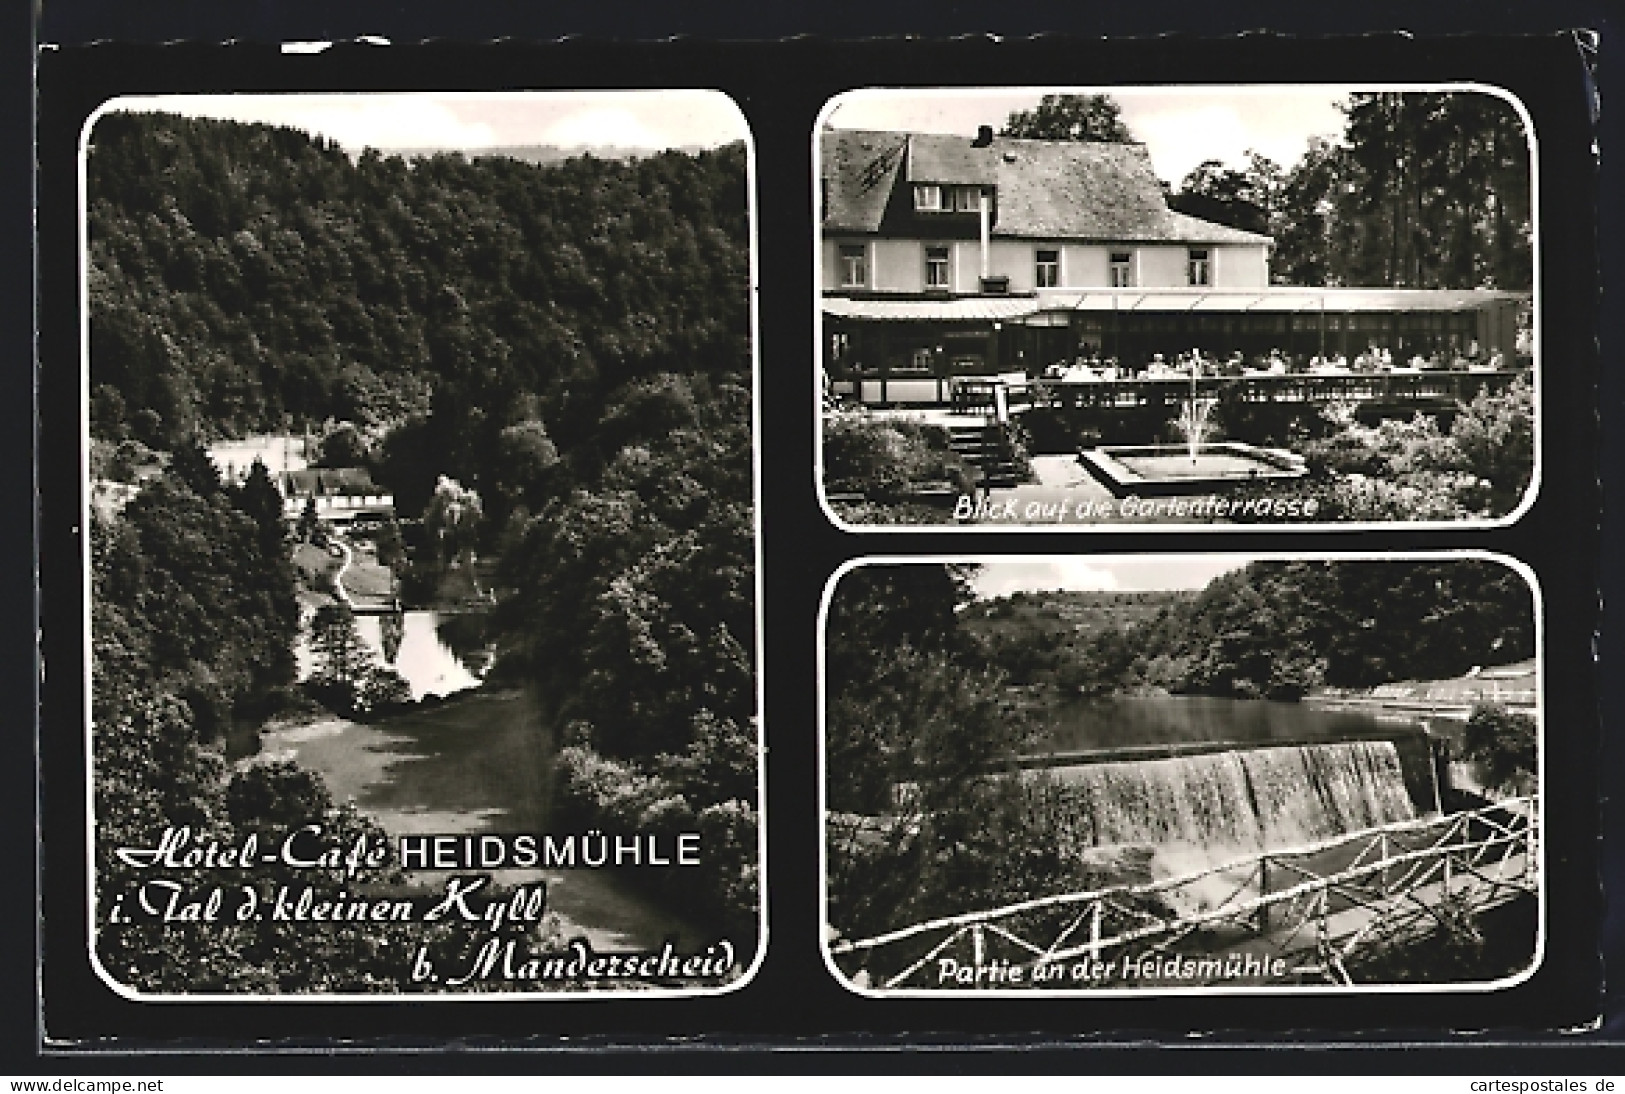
(1419, 387)
(998, 398)
(1318, 905)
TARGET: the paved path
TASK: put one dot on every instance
(361, 602)
(1064, 489)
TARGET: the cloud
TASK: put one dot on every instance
(997, 579)
(605, 126)
(622, 119)
(1181, 139)
(355, 121)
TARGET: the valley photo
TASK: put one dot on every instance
(1159, 773)
(419, 467)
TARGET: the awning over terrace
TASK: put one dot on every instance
(951, 309)
(1274, 299)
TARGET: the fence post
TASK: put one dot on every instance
(1094, 931)
(1263, 894)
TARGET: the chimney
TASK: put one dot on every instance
(984, 136)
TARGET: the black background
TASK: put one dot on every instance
(780, 87)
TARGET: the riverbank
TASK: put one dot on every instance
(1512, 686)
(481, 761)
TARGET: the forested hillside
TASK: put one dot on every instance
(245, 277)
(1277, 629)
(1033, 635)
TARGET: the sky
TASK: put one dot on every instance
(1102, 573)
(609, 119)
(1181, 126)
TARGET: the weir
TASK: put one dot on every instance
(1227, 804)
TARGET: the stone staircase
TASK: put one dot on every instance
(982, 445)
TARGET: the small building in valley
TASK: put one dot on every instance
(341, 495)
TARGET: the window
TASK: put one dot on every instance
(1200, 268)
(1122, 269)
(936, 268)
(1048, 272)
(854, 265)
(933, 197)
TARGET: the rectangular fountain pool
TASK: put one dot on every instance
(1151, 470)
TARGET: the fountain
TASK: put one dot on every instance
(1192, 421)
(1151, 470)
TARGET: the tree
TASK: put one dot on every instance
(1503, 743)
(883, 461)
(452, 519)
(259, 498)
(1427, 190)
(1495, 435)
(1241, 199)
(190, 464)
(342, 659)
(344, 447)
(310, 523)
(1305, 217)
(1070, 118)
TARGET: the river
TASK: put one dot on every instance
(1172, 720)
(477, 763)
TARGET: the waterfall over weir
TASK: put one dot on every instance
(1225, 805)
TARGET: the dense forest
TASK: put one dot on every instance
(1423, 190)
(564, 347)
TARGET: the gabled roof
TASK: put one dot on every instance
(1196, 230)
(1044, 189)
(328, 480)
(860, 172)
(938, 157)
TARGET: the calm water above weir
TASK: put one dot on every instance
(479, 763)
(1157, 722)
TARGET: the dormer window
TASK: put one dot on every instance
(933, 197)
